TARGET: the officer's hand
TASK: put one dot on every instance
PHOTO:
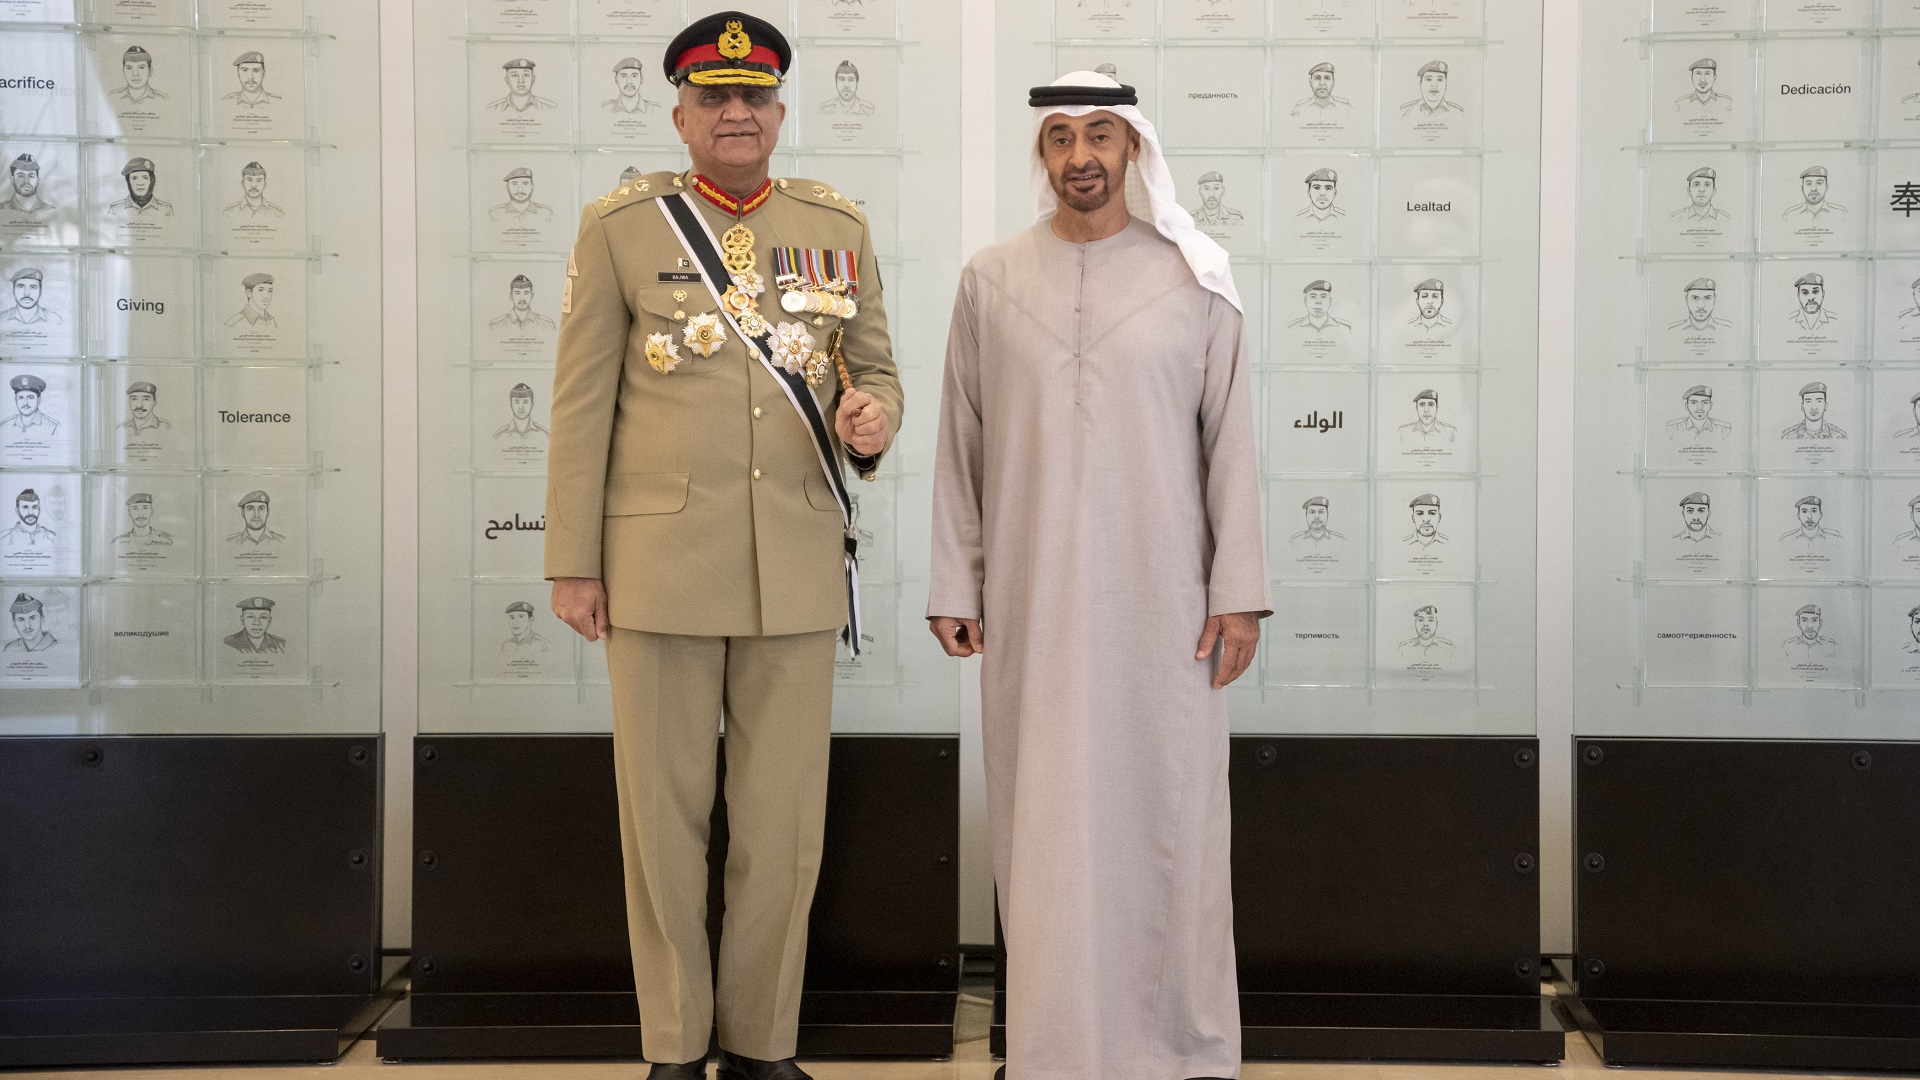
(862, 423)
(581, 602)
(958, 637)
(1241, 632)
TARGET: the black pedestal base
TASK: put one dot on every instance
(1399, 1027)
(607, 1025)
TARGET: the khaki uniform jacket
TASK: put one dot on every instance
(696, 495)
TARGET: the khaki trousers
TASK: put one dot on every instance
(668, 695)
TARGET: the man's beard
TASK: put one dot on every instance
(1086, 204)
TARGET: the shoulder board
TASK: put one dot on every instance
(651, 186)
(814, 193)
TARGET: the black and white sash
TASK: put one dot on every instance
(701, 245)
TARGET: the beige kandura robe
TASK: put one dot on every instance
(1096, 498)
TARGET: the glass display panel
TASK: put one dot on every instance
(556, 104)
(1372, 168)
(1747, 533)
(189, 446)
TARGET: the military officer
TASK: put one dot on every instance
(256, 617)
(23, 190)
(141, 201)
(27, 415)
(695, 520)
(1813, 408)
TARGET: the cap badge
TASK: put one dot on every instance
(734, 42)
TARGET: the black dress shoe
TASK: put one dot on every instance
(735, 1067)
(692, 1070)
(1000, 1073)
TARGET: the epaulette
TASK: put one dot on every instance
(639, 189)
(814, 193)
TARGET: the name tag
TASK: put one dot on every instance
(687, 278)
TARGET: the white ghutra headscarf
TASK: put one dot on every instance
(1149, 187)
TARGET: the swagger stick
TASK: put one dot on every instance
(839, 358)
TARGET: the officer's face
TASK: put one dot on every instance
(261, 295)
(28, 510)
(518, 622)
(1426, 408)
(1699, 405)
(1913, 512)
(1913, 625)
(1700, 304)
(1695, 515)
(1700, 190)
(251, 75)
(140, 183)
(1703, 80)
(1318, 302)
(1813, 189)
(1425, 624)
(1210, 193)
(1087, 156)
(1321, 83)
(25, 182)
(1811, 297)
(627, 81)
(521, 405)
(26, 402)
(1426, 519)
(520, 81)
(255, 515)
(1813, 406)
(27, 623)
(730, 126)
(26, 292)
(140, 404)
(136, 72)
(253, 185)
(1430, 301)
(846, 84)
(1316, 517)
(522, 296)
(1809, 516)
(141, 513)
(1321, 192)
(1433, 87)
(255, 621)
(520, 188)
(1809, 625)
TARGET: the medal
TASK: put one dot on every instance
(737, 243)
(703, 334)
(662, 353)
(792, 347)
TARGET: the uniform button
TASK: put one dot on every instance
(756, 412)
(756, 474)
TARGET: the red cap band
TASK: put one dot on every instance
(759, 54)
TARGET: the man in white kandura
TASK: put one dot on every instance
(1096, 505)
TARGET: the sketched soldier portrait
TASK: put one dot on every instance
(253, 202)
(139, 175)
(1320, 97)
(1702, 98)
(1316, 533)
(1426, 645)
(1700, 294)
(1813, 412)
(141, 531)
(519, 98)
(1428, 298)
(522, 425)
(256, 616)
(1427, 427)
(628, 75)
(250, 69)
(23, 190)
(522, 638)
(259, 293)
(29, 618)
(1213, 209)
(1809, 535)
(141, 417)
(1911, 538)
(1913, 311)
(1913, 620)
(1701, 185)
(520, 205)
(1696, 513)
(1699, 420)
(1318, 298)
(1813, 196)
(1433, 100)
(1808, 643)
(520, 314)
(26, 530)
(1425, 510)
(27, 307)
(136, 78)
(255, 509)
(846, 99)
(1914, 431)
(1810, 303)
(28, 417)
(1323, 187)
